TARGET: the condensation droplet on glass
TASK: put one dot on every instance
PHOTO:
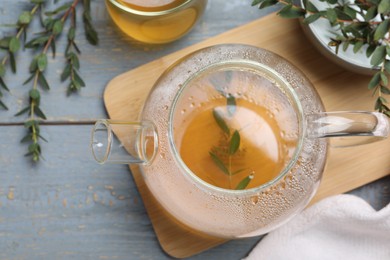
(254, 200)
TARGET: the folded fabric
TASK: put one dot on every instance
(341, 227)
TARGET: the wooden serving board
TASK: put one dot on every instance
(347, 168)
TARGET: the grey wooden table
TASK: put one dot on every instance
(67, 206)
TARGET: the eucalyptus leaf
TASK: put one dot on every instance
(78, 79)
(29, 79)
(43, 82)
(370, 50)
(33, 147)
(53, 48)
(256, 2)
(25, 18)
(59, 9)
(66, 72)
(34, 94)
(41, 137)
(27, 138)
(14, 45)
(384, 7)
(311, 18)
(71, 33)
(219, 163)
(331, 15)
(371, 13)
(349, 11)
(23, 111)
(387, 66)
(381, 30)
(267, 3)
(342, 15)
(2, 70)
(4, 43)
(39, 112)
(87, 5)
(12, 61)
(290, 11)
(57, 27)
(244, 183)
(345, 46)
(231, 104)
(310, 6)
(3, 85)
(385, 90)
(37, 41)
(234, 143)
(90, 32)
(3, 105)
(384, 79)
(42, 61)
(221, 123)
(76, 47)
(375, 80)
(75, 61)
(378, 103)
(357, 46)
(76, 84)
(378, 56)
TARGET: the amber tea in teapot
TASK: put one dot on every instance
(233, 141)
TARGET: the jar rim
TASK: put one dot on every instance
(150, 13)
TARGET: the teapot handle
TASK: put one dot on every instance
(350, 127)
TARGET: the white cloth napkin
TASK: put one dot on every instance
(341, 227)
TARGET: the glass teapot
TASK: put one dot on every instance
(231, 140)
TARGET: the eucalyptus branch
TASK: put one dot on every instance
(12, 44)
(359, 23)
(222, 155)
(73, 65)
(53, 24)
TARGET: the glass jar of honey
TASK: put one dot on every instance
(155, 21)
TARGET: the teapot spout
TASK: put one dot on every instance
(121, 142)
(350, 127)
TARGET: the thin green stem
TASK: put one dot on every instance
(70, 9)
(32, 110)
